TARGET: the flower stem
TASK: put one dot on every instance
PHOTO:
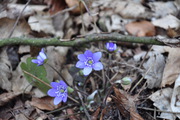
(59, 74)
(107, 77)
(36, 78)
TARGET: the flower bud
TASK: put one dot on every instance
(110, 46)
(126, 81)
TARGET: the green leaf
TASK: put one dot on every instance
(39, 72)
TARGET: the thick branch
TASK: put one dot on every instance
(80, 40)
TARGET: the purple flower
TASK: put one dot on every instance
(59, 91)
(41, 58)
(89, 61)
(111, 46)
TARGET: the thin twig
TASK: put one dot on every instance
(84, 107)
(17, 20)
(150, 109)
(59, 74)
(140, 80)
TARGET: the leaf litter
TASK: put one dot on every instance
(155, 75)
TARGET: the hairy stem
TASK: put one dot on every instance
(80, 40)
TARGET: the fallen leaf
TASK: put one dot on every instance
(161, 9)
(5, 71)
(175, 99)
(155, 67)
(129, 9)
(18, 77)
(7, 97)
(126, 105)
(172, 67)
(161, 99)
(21, 117)
(94, 116)
(77, 10)
(140, 29)
(70, 111)
(44, 103)
(55, 5)
(6, 24)
(166, 22)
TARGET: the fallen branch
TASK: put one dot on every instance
(86, 39)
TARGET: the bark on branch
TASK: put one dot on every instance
(86, 39)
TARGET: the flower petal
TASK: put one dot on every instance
(65, 98)
(43, 56)
(82, 57)
(87, 70)
(88, 53)
(40, 58)
(35, 61)
(80, 64)
(54, 84)
(62, 83)
(51, 92)
(115, 46)
(97, 56)
(57, 100)
(98, 66)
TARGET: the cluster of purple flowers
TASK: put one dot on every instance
(88, 61)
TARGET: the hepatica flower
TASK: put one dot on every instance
(59, 91)
(89, 61)
(41, 58)
(111, 46)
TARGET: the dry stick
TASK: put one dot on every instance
(145, 56)
(83, 25)
(17, 20)
(59, 74)
(85, 110)
(150, 109)
(80, 40)
(140, 80)
(46, 84)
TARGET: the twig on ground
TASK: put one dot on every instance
(80, 40)
(140, 80)
(84, 107)
(17, 20)
(150, 109)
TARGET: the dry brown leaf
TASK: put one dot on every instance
(94, 116)
(175, 99)
(44, 103)
(129, 9)
(167, 21)
(161, 99)
(6, 97)
(55, 5)
(70, 111)
(18, 77)
(21, 117)
(140, 29)
(172, 67)
(5, 71)
(6, 24)
(155, 67)
(126, 105)
(161, 9)
(77, 10)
